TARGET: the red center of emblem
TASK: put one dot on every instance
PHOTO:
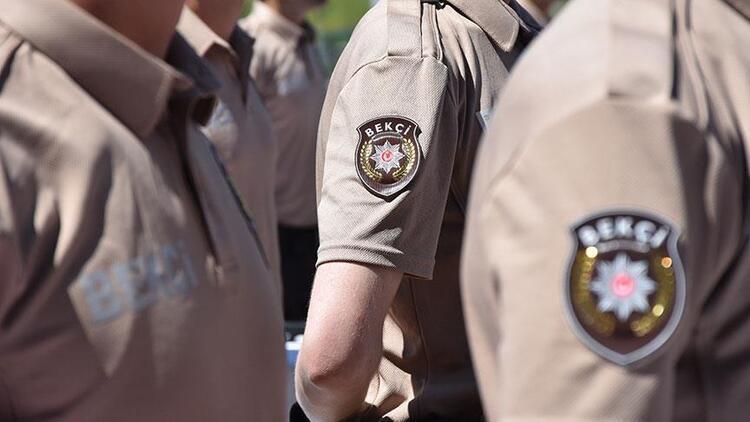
(387, 156)
(623, 285)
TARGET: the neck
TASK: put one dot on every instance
(220, 15)
(292, 10)
(150, 24)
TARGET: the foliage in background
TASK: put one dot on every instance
(337, 15)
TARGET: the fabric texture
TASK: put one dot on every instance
(607, 113)
(240, 128)
(133, 286)
(441, 68)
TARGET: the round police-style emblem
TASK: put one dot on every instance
(625, 289)
(388, 154)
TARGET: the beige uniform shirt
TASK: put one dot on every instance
(132, 286)
(606, 268)
(240, 128)
(531, 7)
(400, 127)
(288, 70)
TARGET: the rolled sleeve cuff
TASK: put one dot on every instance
(415, 266)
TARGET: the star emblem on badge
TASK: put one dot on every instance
(387, 157)
(623, 286)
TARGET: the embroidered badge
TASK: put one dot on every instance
(388, 154)
(625, 290)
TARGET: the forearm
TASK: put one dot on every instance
(332, 380)
(343, 342)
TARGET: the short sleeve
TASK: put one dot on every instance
(386, 170)
(583, 265)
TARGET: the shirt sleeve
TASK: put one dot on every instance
(387, 163)
(536, 356)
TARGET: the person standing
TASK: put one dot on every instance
(290, 77)
(404, 114)
(606, 268)
(133, 287)
(240, 128)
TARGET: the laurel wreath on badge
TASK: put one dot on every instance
(388, 154)
(626, 287)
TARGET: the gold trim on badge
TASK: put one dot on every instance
(388, 154)
(625, 289)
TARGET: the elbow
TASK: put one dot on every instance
(320, 373)
(329, 368)
(330, 390)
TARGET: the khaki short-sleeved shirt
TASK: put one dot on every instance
(605, 273)
(531, 7)
(289, 73)
(240, 128)
(133, 287)
(404, 114)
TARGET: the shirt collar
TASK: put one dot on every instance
(271, 19)
(200, 35)
(203, 39)
(498, 20)
(132, 84)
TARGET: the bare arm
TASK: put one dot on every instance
(344, 338)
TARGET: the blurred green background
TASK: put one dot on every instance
(335, 22)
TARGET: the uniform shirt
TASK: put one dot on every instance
(240, 127)
(531, 7)
(606, 268)
(401, 123)
(132, 286)
(288, 70)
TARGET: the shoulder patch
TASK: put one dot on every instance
(625, 289)
(388, 154)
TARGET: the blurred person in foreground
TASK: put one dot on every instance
(288, 71)
(240, 128)
(404, 114)
(132, 286)
(606, 268)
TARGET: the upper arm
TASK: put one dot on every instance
(349, 304)
(387, 217)
(613, 184)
